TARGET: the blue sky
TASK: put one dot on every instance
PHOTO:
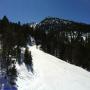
(36, 10)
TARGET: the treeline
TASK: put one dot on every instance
(67, 40)
(13, 36)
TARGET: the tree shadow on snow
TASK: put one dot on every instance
(29, 67)
(5, 85)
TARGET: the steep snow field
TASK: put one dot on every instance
(51, 73)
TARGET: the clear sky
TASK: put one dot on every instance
(36, 10)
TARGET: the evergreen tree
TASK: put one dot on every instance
(18, 50)
(28, 59)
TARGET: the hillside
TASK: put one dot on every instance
(51, 73)
(65, 39)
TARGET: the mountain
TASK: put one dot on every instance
(53, 20)
(54, 23)
(51, 73)
(65, 39)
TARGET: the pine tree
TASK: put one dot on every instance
(18, 50)
(28, 59)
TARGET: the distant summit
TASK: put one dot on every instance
(54, 23)
(55, 20)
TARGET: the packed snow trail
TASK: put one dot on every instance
(51, 73)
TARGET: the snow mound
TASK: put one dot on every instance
(51, 73)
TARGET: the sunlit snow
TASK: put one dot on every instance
(51, 73)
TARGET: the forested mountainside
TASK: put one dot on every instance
(52, 23)
(67, 40)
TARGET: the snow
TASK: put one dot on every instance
(51, 73)
(4, 85)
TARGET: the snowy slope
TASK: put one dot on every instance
(51, 73)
